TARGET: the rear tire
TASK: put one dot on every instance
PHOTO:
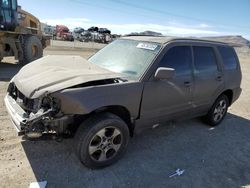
(32, 49)
(101, 140)
(218, 111)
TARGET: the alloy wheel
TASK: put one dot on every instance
(105, 144)
(220, 110)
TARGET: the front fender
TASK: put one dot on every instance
(87, 99)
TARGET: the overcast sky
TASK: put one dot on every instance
(170, 17)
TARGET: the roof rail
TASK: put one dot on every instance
(143, 35)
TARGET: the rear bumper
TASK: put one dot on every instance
(17, 114)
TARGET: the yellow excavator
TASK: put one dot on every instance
(20, 33)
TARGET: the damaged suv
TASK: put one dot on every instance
(132, 84)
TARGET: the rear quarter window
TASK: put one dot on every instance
(228, 57)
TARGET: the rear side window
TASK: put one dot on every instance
(204, 59)
(179, 58)
(228, 57)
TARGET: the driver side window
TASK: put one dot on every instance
(179, 58)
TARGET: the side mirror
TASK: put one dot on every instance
(164, 73)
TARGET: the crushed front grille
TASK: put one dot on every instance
(26, 103)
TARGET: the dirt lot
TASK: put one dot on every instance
(211, 157)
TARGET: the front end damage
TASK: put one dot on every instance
(34, 117)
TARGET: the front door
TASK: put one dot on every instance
(162, 99)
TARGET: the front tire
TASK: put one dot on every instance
(218, 111)
(101, 140)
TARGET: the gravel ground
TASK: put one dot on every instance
(216, 157)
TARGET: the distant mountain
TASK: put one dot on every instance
(233, 39)
(146, 33)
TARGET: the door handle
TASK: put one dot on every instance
(187, 84)
(219, 78)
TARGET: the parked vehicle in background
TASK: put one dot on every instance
(63, 33)
(48, 29)
(93, 34)
(77, 33)
(93, 29)
(132, 84)
(20, 33)
(104, 31)
(101, 37)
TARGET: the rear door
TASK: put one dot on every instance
(208, 77)
(162, 99)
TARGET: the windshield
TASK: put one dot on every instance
(127, 56)
(5, 3)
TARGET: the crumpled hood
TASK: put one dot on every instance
(53, 73)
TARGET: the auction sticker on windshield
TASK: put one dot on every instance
(147, 46)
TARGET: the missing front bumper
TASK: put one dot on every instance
(40, 122)
(16, 113)
(23, 122)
